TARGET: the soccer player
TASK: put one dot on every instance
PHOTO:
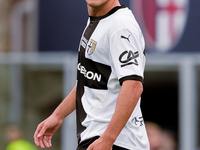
(109, 84)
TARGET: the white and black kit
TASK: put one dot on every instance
(111, 51)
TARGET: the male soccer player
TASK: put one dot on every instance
(109, 84)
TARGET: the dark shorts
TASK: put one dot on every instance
(85, 144)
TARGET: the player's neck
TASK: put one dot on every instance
(103, 9)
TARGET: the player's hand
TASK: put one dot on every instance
(101, 144)
(45, 131)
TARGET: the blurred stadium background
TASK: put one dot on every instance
(38, 50)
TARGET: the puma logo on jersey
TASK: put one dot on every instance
(127, 38)
(128, 58)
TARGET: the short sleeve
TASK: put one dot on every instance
(127, 54)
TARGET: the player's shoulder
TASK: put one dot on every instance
(125, 14)
(124, 19)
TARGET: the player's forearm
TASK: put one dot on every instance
(127, 100)
(67, 106)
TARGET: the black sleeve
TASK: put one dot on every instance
(131, 77)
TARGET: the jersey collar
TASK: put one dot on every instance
(92, 18)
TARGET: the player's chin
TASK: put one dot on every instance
(94, 3)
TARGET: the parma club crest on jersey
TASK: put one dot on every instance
(162, 22)
(91, 47)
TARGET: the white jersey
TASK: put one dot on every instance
(111, 51)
